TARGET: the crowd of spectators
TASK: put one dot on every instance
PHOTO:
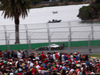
(50, 63)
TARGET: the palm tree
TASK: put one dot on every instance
(14, 9)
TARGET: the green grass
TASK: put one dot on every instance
(95, 55)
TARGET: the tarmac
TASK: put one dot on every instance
(81, 50)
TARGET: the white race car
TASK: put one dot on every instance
(52, 47)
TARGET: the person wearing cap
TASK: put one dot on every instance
(43, 56)
(20, 66)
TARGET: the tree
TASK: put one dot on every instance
(90, 12)
(87, 13)
(14, 9)
(61, 1)
(36, 1)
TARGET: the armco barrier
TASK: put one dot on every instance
(36, 45)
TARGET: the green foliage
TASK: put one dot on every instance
(90, 12)
(87, 13)
(84, 13)
(36, 2)
(12, 8)
(61, 1)
(66, 3)
(54, 4)
(97, 1)
(97, 6)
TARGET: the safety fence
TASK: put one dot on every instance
(47, 33)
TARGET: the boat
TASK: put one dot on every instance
(54, 21)
(55, 12)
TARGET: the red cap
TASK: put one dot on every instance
(1, 63)
(97, 64)
(9, 59)
(26, 59)
(41, 68)
(55, 68)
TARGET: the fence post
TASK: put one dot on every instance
(26, 33)
(30, 40)
(8, 41)
(5, 35)
(49, 38)
(92, 31)
(8, 45)
(89, 42)
(69, 37)
(30, 43)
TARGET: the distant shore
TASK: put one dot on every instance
(58, 4)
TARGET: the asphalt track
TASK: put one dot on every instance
(81, 50)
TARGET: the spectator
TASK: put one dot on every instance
(23, 63)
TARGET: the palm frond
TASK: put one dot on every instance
(11, 8)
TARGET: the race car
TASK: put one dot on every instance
(52, 47)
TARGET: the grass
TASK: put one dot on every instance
(95, 55)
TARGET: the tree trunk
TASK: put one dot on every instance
(17, 30)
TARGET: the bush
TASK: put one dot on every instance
(54, 4)
(61, 1)
(97, 6)
(0, 6)
(97, 1)
(84, 13)
(65, 3)
(87, 13)
(90, 12)
(75, 0)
